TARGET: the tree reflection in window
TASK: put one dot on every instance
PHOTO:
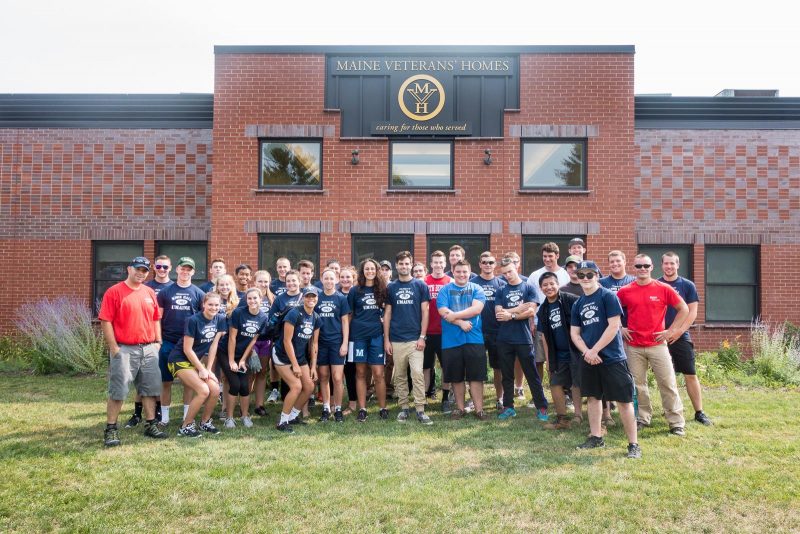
(553, 164)
(290, 164)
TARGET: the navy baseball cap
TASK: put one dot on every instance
(588, 266)
(310, 290)
(140, 261)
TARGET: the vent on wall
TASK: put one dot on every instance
(748, 92)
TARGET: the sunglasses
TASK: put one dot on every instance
(487, 263)
(162, 267)
(588, 275)
(643, 265)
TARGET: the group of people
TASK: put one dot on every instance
(359, 328)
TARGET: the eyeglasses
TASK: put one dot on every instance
(588, 275)
(162, 267)
(487, 263)
(643, 265)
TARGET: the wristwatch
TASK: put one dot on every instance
(423, 338)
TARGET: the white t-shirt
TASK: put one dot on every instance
(533, 280)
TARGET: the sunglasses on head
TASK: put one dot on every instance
(643, 265)
(162, 267)
(588, 275)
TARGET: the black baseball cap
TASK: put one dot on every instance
(140, 261)
(386, 263)
(588, 266)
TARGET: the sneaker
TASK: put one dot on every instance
(326, 416)
(284, 427)
(312, 401)
(677, 431)
(230, 423)
(469, 407)
(456, 414)
(447, 407)
(532, 404)
(338, 416)
(562, 423)
(700, 417)
(592, 442)
(151, 430)
(135, 420)
(273, 396)
(498, 406)
(402, 417)
(189, 431)
(541, 415)
(482, 416)
(111, 437)
(423, 418)
(507, 413)
(384, 414)
(298, 421)
(519, 393)
(247, 422)
(162, 425)
(260, 411)
(634, 451)
(209, 428)
(570, 404)
(362, 416)
(431, 395)
(608, 422)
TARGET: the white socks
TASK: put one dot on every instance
(165, 414)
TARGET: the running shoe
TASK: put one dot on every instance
(447, 407)
(608, 422)
(209, 428)
(285, 427)
(562, 423)
(541, 414)
(298, 421)
(498, 406)
(532, 404)
(592, 442)
(230, 423)
(507, 413)
(111, 437)
(634, 451)
(162, 425)
(151, 430)
(247, 422)
(456, 414)
(135, 420)
(312, 401)
(423, 418)
(384, 414)
(402, 417)
(338, 416)
(700, 417)
(260, 411)
(482, 416)
(189, 431)
(362, 416)
(326, 416)
(469, 407)
(273, 396)
(677, 431)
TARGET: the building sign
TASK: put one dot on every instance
(416, 96)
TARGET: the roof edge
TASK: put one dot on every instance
(423, 49)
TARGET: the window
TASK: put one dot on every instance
(731, 283)
(197, 250)
(296, 247)
(550, 164)
(421, 165)
(655, 252)
(380, 246)
(532, 251)
(474, 245)
(111, 261)
(290, 163)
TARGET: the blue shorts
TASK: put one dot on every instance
(329, 355)
(369, 351)
(163, 357)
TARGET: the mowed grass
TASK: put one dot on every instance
(740, 475)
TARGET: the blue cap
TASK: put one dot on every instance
(310, 290)
(588, 265)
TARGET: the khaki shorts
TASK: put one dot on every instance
(137, 364)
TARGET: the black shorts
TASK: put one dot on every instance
(490, 343)
(607, 382)
(568, 373)
(433, 346)
(682, 352)
(464, 363)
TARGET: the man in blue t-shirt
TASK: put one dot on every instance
(405, 321)
(217, 269)
(595, 332)
(682, 349)
(617, 277)
(463, 355)
(514, 305)
(491, 285)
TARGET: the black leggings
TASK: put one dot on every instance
(507, 354)
(238, 383)
(350, 380)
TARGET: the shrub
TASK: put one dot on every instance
(62, 337)
(729, 356)
(13, 354)
(776, 355)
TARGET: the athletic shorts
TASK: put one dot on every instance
(329, 355)
(433, 346)
(607, 382)
(682, 352)
(369, 351)
(464, 363)
(490, 343)
(538, 349)
(137, 364)
(568, 373)
(174, 367)
(263, 348)
(163, 360)
(283, 360)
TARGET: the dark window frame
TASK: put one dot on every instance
(95, 297)
(474, 265)
(657, 261)
(354, 237)
(554, 140)
(563, 253)
(196, 280)
(295, 235)
(289, 140)
(756, 285)
(450, 142)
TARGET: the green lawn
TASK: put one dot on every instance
(740, 475)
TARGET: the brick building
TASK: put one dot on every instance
(349, 152)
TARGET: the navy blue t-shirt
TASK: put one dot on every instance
(277, 286)
(203, 331)
(609, 282)
(331, 309)
(158, 286)
(179, 304)
(247, 327)
(285, 301)
(366, 321)
(559, 329)
(304, 326)
(406, 299)
(688, 291)
(591, 313)
(206, 287)
(490, 289)
(517, 332)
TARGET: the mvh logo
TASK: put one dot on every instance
(422, 89)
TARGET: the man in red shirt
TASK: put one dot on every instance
(645, 302)
(433, 343)
(129, 319)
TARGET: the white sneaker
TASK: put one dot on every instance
(519, 393)
(274, 396)
(247, 422)
(469, 407)
(531, 404)
(230, 423)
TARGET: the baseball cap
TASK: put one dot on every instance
(572, 259)
(576, 241)
(186, 260)
(310, 290)
(588, 265)
(386, 263)
(139, 261)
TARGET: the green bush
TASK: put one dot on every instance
(13, 354)
(776, 354)
(61, 337)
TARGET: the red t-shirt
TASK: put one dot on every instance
(645, 308)
(434, 285)
(132, 312)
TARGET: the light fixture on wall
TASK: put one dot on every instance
(488, 159)
(355, 159)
